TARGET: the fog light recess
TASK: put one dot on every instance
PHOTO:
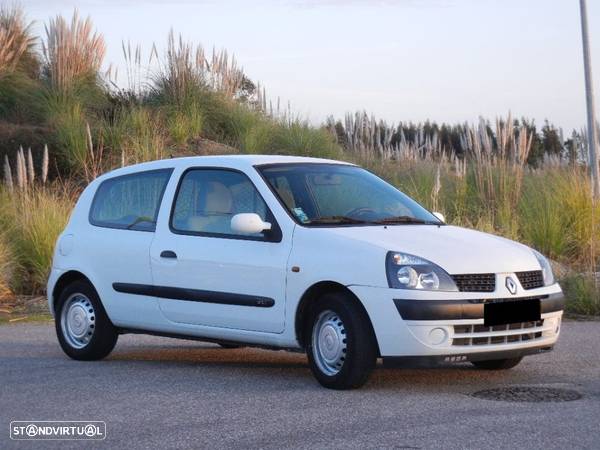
(438, 336)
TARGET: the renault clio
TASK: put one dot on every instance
(293, 253)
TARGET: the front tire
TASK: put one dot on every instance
(83, 329)
(340, 344)
(497, 364)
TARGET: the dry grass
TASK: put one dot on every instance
(71, 51)
(186, 69)
(16, 41)
(31, 221)
(7, 268)
(32, 214)
(136, 134)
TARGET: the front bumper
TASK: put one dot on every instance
(450, 326)
(438, 360)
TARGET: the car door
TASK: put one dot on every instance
(115, 244)
(206, 274)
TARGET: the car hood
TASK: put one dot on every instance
(457, 250)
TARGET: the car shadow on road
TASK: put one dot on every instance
(258, 363)
(212, 356)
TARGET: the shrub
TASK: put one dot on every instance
(556, 216)
(20, 98)
(542, 215)
(73, 54)
(258, 136)
(184, 123)
(186, 72)
(253, 132)
(67, 118)
(135, 134)
(19, 67)
(582, 293)
(296, 137)
(32, 220)
(7, 268)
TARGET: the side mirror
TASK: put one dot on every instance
(248, 223)
(440, 216)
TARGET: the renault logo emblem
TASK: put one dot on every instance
(511, 285)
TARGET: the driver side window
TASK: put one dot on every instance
(207, 199)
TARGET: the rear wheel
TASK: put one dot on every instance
(341, 347)
(497, 364)
(83, 329)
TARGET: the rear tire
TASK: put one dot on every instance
(83, 329)
(497, 364)
(340, 343)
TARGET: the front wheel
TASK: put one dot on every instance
(341, 347)
(497, 364)
(83, 329)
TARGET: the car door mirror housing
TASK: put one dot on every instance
(440, 216)
(248, 223)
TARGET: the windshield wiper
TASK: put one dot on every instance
(404, 220)
(337, 220)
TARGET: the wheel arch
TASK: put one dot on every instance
(63, 281)
(311, 296)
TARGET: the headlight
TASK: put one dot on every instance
(406, 271)
(546, 268)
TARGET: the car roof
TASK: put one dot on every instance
(240, 162)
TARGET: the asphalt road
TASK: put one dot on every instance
(164, 393)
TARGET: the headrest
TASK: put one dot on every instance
(218, 198)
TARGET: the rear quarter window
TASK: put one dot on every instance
(130, 202)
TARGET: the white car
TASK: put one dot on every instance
(293, 253)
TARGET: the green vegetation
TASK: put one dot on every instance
(583, 295)
(31, 221)
(506, 178)
(7, 264)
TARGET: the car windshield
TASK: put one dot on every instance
(338, 194)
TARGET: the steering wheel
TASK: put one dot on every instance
(357, 212)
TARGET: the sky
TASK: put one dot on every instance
(401, 60)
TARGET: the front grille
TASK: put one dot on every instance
(469, 335)
(475, 282)
(531, 279)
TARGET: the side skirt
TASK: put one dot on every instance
(188, 337)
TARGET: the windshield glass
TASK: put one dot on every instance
(337, 194)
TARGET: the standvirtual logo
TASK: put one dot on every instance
(55, 430)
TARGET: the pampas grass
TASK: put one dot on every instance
(72, 52)
(16, 42)
(186, 69)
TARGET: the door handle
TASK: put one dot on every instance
(168, 254)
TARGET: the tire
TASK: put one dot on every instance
(83, 329)
(497, 364)
(352, 354)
